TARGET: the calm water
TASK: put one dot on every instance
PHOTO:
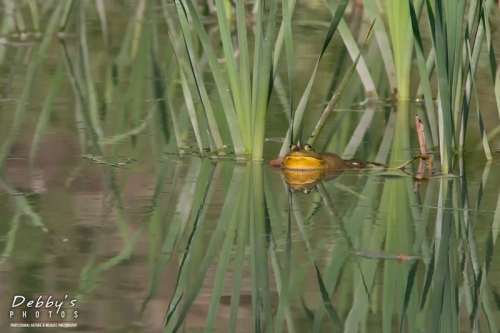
(226, 245)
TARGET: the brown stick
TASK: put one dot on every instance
(421, 135)
(423, 151)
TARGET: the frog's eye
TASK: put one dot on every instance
(308, 147)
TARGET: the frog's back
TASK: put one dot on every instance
(333, 161)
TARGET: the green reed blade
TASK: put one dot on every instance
(425, 84)
(443, 237)
(224, 258)
(158, 93)
(89, 276)
(241, 244)
(200, 200)
(426, 288)
(43, 119)
(80, 121)
(490, 245)
(172, 29)
(299, 112)
(336, 97)
(490, 314)
(125, 253)
(283, 31)
(109, 80)
(494, 230)
(284, 276)
(402, 45)
(258, 28)
(365, 291)
(176, 125)
(191, 110)
(101, 12)
(7, 25)
(228, 213)
(377, 233)
(33, 66)
(446, 128)
(463, 117)
(138, 26)
(133, 100)
(117, 203)
(261, 241)
(284, 100)
(385, 145)
(359, 133)
(124, 54)
(10, 238)
(430, 65)
(189, 105)
(495, 72)
(454, 12)
(89, 84)
(155, 229)
(332, 277)
(354, 51)
(177, 225)
(263, 77)
(117, 138)
(23, 205)
(219, 78)
(142, 59)
(482, 131)
(231, 70)
(336, 74)
(286, 27)
(34, 15)
(63, 22)
(383, 41)
(244, 69)
(82, 114)
(408, 293)
(479, 287)
(397, 240)
(341, 252)
(254, 269)
(421, 242)
(330, 310)
(18, 14)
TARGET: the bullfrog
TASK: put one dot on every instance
(306, 158)
(303, 167)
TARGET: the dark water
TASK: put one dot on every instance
(209, 244)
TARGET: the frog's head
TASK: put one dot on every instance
(304, 158)
(294, 148)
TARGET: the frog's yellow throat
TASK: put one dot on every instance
(303, 159)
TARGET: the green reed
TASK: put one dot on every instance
(245, 88)
(458, 31)
(225, 107)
